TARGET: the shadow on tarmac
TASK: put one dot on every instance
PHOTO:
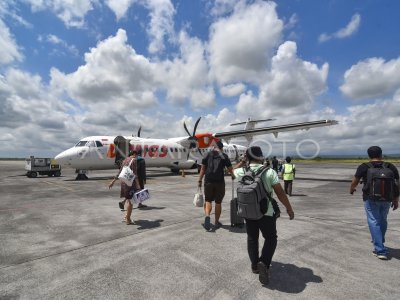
(150, 208)
(146, 224)
(393, 253)
(289, 278)
(235, 229)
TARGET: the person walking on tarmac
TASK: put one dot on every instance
(141, 172)
(275, 164)
(212, 168)
(288, 174)
(267, 224)
(126, 190)
(378, 195)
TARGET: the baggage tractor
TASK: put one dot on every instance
(235, 219)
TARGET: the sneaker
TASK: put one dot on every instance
(263, 273)
(254, 269)
(207, 223)
(380, 255)
(218, 225)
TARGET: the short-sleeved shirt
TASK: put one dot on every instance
(362, 173)
(225, 163)
(269, 178)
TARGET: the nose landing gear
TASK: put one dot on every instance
(81, 175)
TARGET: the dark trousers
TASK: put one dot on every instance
(288, 187)
(141, 183)
(267, 226)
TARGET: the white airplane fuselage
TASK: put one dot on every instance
(98, 153)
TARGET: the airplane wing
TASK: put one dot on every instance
(249, 133)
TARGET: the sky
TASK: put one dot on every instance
(76, 68)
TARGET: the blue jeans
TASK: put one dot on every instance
(377, 212)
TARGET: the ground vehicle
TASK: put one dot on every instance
(42, 166)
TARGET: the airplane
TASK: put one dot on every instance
(179, 153)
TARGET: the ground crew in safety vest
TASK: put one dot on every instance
(288, 172)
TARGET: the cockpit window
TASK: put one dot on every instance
(99, 144)
(90, 144)
(81, 144)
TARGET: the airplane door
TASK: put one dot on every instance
(121, 149)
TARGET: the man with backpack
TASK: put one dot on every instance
(263, 218)
(212, 168)
(380, 192)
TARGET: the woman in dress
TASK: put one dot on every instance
(126, 190)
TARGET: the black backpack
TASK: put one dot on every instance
(380, 182)
(215, 167)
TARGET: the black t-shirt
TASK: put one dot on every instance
(224, 163)
(362, 173)
(275, 163)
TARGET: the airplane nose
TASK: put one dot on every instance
(65, 158)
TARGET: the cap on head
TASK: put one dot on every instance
(254, 153)
(374, 152)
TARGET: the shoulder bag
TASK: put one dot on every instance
(127, 176)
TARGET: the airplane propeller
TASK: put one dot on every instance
(138, 132)
(192, 137)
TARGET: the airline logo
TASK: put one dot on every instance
(147, 150)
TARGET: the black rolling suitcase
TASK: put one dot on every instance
(235, 219)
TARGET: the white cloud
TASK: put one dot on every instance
(377, 123)
(119, 7)
(291, 87)
(371, 78)
(186, 77)
(161, 23)
(294, 19)
(350, 29)
(71, 12)
(347, 31)
(231, 90)
(238, 51)
(55, 40)
(113, 73)
(161, 26)
(9, 48)
(222, 7)
(7, 9)
(26, 100)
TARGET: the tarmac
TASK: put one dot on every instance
(65, 239)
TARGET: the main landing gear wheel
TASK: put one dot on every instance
(81, 177)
